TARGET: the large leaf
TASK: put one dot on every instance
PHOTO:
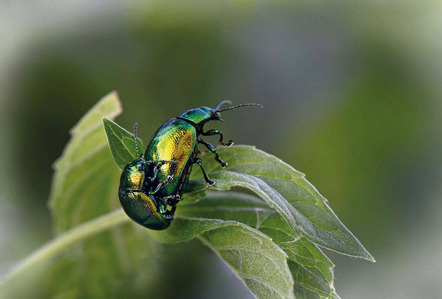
(268, 244)
(288, 192)
(285, 189)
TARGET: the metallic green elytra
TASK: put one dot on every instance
(152, 185)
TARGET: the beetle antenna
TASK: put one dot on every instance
(239, 106)
(222, 103)
(136, 139)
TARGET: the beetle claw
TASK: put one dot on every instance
(228, 144)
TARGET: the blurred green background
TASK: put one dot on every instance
(352, 95)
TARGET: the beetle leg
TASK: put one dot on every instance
(218, 132)
(206, 177)
(172, 200)
(167, 180)
(163, 208)
(158, 164)
(213, 150)
(155, 173)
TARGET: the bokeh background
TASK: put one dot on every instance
(352, 95)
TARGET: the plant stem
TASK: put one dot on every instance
(64, 240)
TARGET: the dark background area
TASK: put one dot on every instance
(352, 96)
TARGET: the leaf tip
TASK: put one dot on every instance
(106, 121)
(367, 256)
(113, 93)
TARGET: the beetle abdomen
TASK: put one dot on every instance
(143, 210)
(174, 140)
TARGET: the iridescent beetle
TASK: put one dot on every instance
(151, 184)
(139, 201)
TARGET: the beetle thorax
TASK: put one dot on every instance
(199, 116)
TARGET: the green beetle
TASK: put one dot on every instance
(152, 184)
(141, 205)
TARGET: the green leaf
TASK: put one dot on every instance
(121, 143)
(270, 245)
(288, 192)
(85, 173)
(69, 238)
(85, 186)
(310, 268)
(252, 255)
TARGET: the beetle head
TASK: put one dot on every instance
(133, 175)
